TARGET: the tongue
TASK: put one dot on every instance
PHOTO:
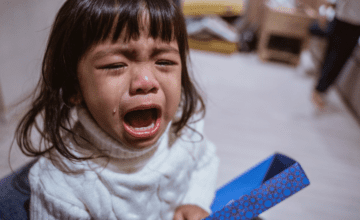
(140, 118)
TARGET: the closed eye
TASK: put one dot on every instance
(115, 66)
(165, 63)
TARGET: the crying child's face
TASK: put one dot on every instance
(132, 89)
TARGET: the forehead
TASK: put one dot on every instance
(143, 46)
(128, 35)
(143, 40)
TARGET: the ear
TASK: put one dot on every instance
(76, 99)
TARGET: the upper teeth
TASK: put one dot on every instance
(145, 128)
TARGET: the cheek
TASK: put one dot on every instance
(178, 89)
(173, 94)
(102, 97)
(100, 92)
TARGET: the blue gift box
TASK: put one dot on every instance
(262, 187)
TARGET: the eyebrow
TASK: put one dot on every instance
(159, 50)
(132, 54)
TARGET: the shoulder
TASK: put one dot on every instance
(49, 181)
(52, 194)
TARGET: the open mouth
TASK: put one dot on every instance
(142, 122)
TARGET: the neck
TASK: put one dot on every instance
(98, 141)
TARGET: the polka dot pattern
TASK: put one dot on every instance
(266, 196)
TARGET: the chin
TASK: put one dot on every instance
(140, 144)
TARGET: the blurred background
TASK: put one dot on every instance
(258, 62)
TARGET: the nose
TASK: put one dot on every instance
(143, 81)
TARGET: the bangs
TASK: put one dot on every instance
(126, 18)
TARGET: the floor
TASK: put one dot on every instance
(255, 109)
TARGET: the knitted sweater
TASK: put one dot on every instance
(133, 184)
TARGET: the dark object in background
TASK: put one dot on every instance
(343, 38)
(316, 30)
(248, 40)
(231, 19)
(286, 44)
(248, 34)
(15, 194)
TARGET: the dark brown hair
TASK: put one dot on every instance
(79, 25)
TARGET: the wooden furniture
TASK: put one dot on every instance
(284, 33)
(214, 45)
(213, 7)
(228, 8)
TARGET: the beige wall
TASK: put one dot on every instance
(24, 29)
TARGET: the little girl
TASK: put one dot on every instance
(134, 148)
